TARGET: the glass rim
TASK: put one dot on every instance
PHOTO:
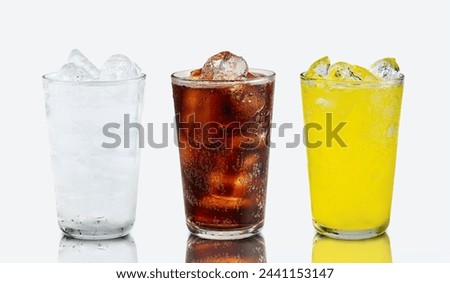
(181, 78)
(395, 81)
(50, 77)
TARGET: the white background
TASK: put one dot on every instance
(284, 36)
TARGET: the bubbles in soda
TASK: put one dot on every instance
(223, 132)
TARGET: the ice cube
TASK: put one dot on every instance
(195, 74)
(80, 60)
(195, 106)
(229, 184)
(248, 162)
(224, 202)
(224, 66)
(391, 131)
(242, 184)
(342, 71)
(247, 100)
(216, 183)
(138, 69)
(386, 69)
(324, 102)
(319, 69)
(253, 75)
(119, 67)
(72, 72)
(251, 138)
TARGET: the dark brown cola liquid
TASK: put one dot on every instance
(223, 138)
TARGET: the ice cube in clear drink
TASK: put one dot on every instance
(72, 72)
(82, 61)
(118, 67)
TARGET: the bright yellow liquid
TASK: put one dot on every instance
(371, 250)
(351, 187)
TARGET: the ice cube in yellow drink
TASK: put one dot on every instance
(351, 183)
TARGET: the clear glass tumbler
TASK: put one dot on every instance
(351, 130)
(96, 180)
(223, 138)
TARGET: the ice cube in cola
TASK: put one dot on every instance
(223, 113)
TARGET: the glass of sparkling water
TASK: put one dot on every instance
(96, 182)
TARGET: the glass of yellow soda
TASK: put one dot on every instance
(351, 117)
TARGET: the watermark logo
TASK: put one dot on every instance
(192, 133)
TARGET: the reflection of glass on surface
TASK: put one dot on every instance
(114, 250)
(248, 250)
(370, 250)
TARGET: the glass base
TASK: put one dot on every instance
(224, 234)
(349, 234)
(96, 233)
